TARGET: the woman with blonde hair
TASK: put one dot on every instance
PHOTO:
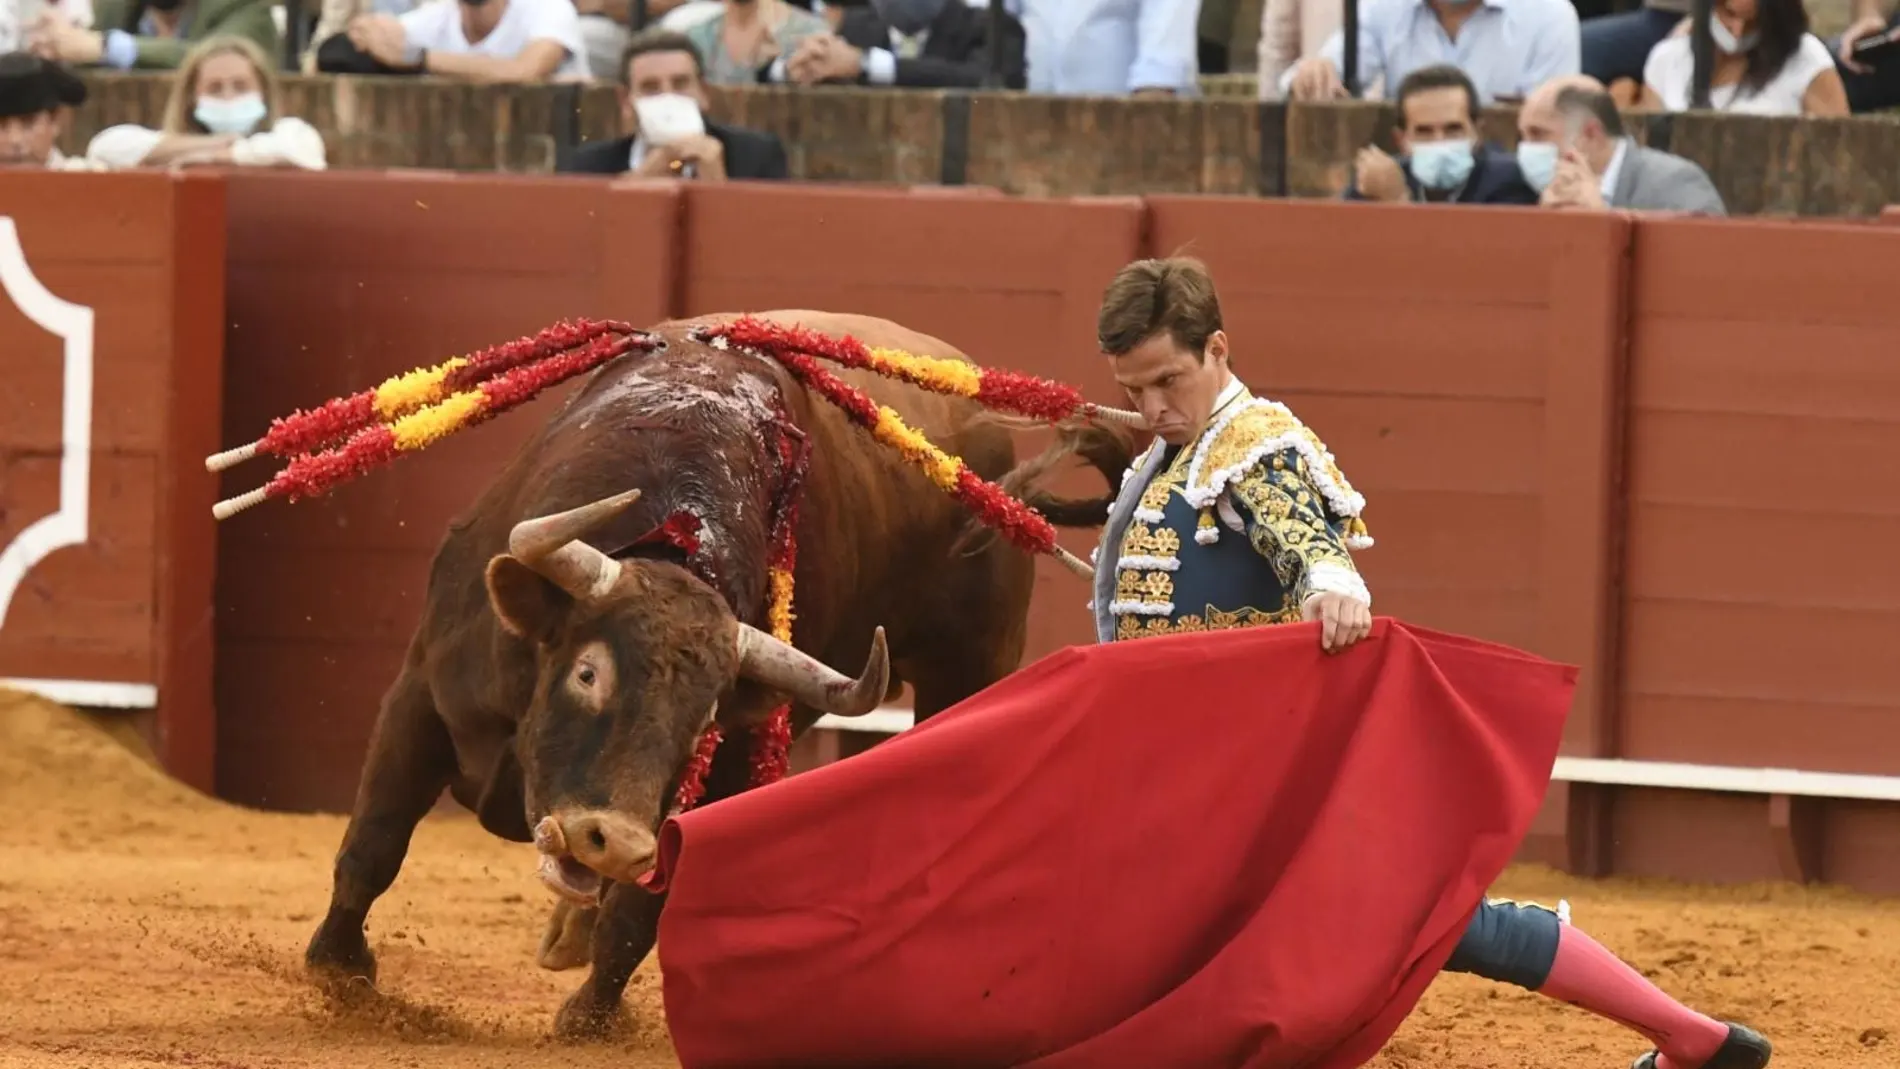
(223, 109)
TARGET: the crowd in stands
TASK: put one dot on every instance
(1439, 61)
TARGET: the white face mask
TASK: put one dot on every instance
(1728, 43)
(667, 118)
(1538, 161)
(234, 115)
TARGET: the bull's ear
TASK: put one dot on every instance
(526, 602)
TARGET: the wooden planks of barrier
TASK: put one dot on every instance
(111, 332)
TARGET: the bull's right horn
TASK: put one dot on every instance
(1117, 415)
(552, 546)
(767, 660)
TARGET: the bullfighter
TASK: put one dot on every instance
(1238, 516)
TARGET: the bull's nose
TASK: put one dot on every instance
(610, 844)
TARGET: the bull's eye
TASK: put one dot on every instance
(590, 676)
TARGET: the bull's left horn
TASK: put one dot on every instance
(778, 664)
(1117, 415)
(552, 546)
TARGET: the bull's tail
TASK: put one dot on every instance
(1107, 448)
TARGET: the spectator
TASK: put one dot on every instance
(1615, 47)
(1112, 47)
(604, 28)
(516, 41)
(150, 34)
(1572, 148)
(745, 42)
(1214, 31)
(662, 68)
(1766, 63)
(1508, 47)
(19, 17)
(927, 44)
(1443, 161)
(34, 92)
(335, 17)
(223, 109)
(1870, 87)
(1290, 29)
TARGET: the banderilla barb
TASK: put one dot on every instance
(313, 473)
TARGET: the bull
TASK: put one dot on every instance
(564, 666)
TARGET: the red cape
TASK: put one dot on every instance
(1208, 851)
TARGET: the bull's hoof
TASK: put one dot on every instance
(340, 955)
(568, 942)
(583, 1019)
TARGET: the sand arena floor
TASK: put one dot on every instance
(143, 925)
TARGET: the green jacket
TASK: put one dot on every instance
(203, 18)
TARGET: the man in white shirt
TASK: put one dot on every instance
(479, 40)
(1111, 47)
(1506, 47)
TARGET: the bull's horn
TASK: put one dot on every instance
(1117, 415)
(777, 664)
(552, 546)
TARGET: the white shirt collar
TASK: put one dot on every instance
(1228, 394)
(1233, 389)
(1610, 173)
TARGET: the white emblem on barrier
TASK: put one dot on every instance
(72, 323)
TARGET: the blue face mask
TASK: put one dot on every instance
(236, 115)
(1441, 165)
(1538, 161)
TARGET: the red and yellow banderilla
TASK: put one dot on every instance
(412, 411)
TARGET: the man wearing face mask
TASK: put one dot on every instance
(662, 101)
(1572, 148)
(1443, 159)
(153, 34)
(931, 44)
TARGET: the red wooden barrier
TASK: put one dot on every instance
(1651, 447)
(109, 333)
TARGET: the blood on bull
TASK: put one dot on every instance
(602, 604)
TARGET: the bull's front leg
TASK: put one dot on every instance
(568, 942)
(411, 759)
(624, 932)
(628, 921)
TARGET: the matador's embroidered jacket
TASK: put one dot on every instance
(1234, 529)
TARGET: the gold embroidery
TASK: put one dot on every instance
(1259, 424)
(1125, 585)
(1213, 619)
(1144, 541)
(1151, 587)
(1289, 528)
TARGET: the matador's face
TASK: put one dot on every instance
(1172, 386)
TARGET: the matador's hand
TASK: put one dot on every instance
(1344, 619)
